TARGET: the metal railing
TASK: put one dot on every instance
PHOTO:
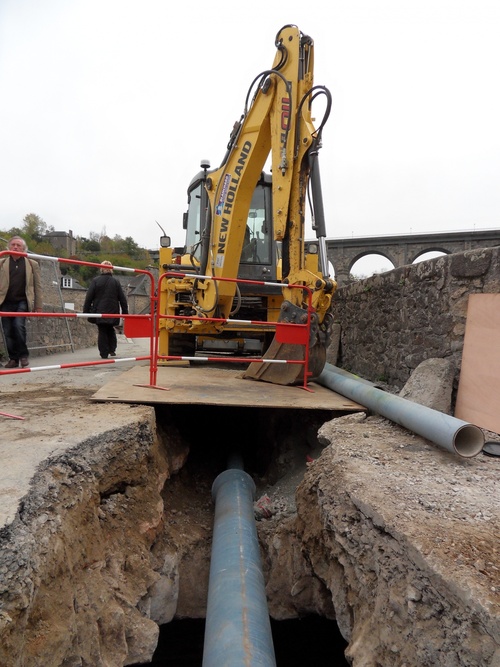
(285, 332)
(148, 324)
(149, 318)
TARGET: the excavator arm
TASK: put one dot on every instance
(277, 124)
(276, 128)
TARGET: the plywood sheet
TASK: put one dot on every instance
(479, 386)
(217, 386)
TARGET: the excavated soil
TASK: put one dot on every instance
(465, 488)
(338, 490)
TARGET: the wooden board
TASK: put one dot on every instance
(217, 386)
(479, 385)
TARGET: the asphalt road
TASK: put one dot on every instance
(47, 369)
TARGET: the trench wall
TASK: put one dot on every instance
(391, 322)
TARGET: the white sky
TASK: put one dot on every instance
(108, 106)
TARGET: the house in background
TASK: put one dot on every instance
(62, 241)
(138, 291)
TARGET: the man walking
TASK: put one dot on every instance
(20, 292)
(106, 295)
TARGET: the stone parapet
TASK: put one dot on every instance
(393, 321)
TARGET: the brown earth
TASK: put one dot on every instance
(53, 402)
(415, 529)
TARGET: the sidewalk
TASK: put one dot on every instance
(45, 369)
(46, 413)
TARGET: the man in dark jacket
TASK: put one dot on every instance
(105, 295)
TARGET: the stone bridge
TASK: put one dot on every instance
(403, 249)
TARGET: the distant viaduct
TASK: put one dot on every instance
(401, 250)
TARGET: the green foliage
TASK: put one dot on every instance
(34, 227)
(89, 245)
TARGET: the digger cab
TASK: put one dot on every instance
(261, 254)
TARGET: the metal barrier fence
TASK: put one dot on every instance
(150, 318)
(285, 332)
(148, 325)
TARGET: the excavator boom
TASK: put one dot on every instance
(276, 127)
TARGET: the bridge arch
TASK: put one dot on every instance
(402, 250)
(444, 251)
(370, 253)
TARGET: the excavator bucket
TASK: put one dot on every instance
(287, 374)
(289, 344)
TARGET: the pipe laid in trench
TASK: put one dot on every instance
(450, 433)
(238, 628)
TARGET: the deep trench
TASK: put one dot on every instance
(272, 443)
(312, 640)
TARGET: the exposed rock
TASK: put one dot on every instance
(293, 589)
(367, 523)
(75, 562)
(407, 540)
(431, 384)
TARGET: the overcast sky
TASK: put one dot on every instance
(108, 106)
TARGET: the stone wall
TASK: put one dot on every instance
(52, 335)
(391, 322)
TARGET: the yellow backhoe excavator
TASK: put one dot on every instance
(243, 223)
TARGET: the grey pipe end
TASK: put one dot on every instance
(468, 441)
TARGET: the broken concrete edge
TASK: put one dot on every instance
(76, 563)
(412, 548)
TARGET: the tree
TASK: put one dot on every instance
(106, 244)
(131, 247)
(89, 245)
(34, 227)
(127, 246)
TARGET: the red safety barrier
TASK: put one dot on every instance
(78, 364)
(139, 327)
(6, 414)
(144, 322)
(285, 332)
(295, 334)
(147, 325)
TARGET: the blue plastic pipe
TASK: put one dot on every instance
(238, 629)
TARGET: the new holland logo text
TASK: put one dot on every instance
(226, 200)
